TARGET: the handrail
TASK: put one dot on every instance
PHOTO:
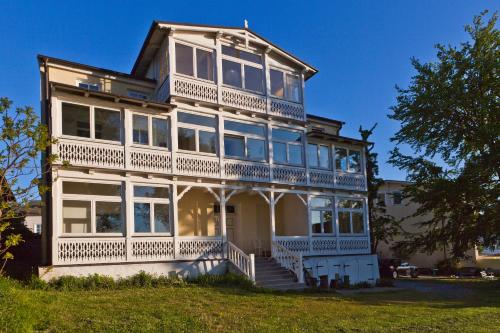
(289, 260)
(245, 263)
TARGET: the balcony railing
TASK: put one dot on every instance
(325, 245)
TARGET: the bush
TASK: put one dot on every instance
(447, 266)
(226, 280)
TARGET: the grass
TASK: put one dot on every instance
(207, 306)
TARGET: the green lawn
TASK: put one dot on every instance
(209, 309)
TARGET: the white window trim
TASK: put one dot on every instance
(331, 209)
(197, 129)
(150, 131)
(289, 143)
(243, 63)
(245, 137)
(348, 150)
(318, 156)
(151, 202)
(284, 74)
(195, 63)
(350, 211)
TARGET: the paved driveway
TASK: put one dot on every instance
(450, 290)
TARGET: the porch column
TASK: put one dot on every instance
(272, 216)
(129, 212)
(175, 218)
(309, 224)
(56, 216)
(218, 59)
(173, 142)
(222, 216)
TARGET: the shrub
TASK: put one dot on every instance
(36, 283)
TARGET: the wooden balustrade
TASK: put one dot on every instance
(245, 263)
(288, 259)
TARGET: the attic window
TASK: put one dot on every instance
(194, 61)
(88, 85)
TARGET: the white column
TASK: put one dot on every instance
(56, 216)
(221, 144)
(129, 213)
(272, 216)
(309, 222)
(171, 52)
(270, 150)
(173, 137)
(302, 80)
(127, 135)
(367, 222)
(175, 218)
(267, 79)
(222, 216)
(306, 161)
(218, 58)
(336, 223)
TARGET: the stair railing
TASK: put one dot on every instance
(245, 263)
(289, 260)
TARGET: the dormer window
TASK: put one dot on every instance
(194, 61)
(285, 85)
(88, 85)
(242, 69)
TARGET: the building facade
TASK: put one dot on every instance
(202, 157)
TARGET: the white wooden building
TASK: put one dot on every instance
(202, 158)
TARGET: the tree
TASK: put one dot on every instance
(23, 140)
(383, 227)
(450, 118)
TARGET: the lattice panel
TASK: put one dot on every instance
(90, 251)
(202, 248)
(324, 178)
(294, 245)
(195, 90)
(151, 161)
(324, 245)
(350, 181)
(244, 171)
(244, 101)
(197, 166)
(353, 245)
(98, 155)
(287, 110)
(153, 249)
(289, 175)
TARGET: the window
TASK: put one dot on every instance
(244, 140)
(347, 160)
(287, 146)
(137, 94)
(397, 198)
(151, 210)
(285, 85)
(351, 216)
(76, 121)
(89, 86)
(194, 61)
(321, 215)
(318, 156)
(90, 208)
(242, 69)
(149, 130)
(196, 133)
(37, 228)
(381, 199)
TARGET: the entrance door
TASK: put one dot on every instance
(231, 220)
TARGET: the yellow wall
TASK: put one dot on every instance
(291, 216)
(196, 214)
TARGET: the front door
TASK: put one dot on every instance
(231, 222)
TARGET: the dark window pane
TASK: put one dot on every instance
(356, 204)
(321, 202)
(316, 221)
(292, 88)
(294, 154)
(186, 139)
(277, 83)
(244, 128)
(286, 135)
(195, 119)
(207, 142)
(256, 149)
(151, 192)
(279, 152)
(160, 132)
(108, 217)
(204, 65)
(234, 146)
(327, 222)
(344, 223)
(231, 73)
(184, 59)
(357, 223)
(253, 79)
(345, 203)
(397, 198)
(161, 218)
(231, 51)
(76, 216)
(107, 124)
(89, 86)
(341, 159)
(354, 161)
(324, 157)
(76, 120)
(91, 188)
(312, 155)
(140, 129)
(142, 221)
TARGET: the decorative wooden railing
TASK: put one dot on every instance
(325, 245)
(245, 263)
(288, 259)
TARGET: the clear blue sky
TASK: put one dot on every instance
(361, 48)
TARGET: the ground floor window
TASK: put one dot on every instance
(321, 215)
(351, 216)
(151, 209)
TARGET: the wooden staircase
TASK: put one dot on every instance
(269, 274)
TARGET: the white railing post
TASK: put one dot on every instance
(301, 269)
(252, 267)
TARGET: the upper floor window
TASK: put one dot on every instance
(285, 85)
(151, 209)
(196, 133)
(321, 215)
(242, 69)
(397, 198)
(88, 85)
(287, 146)
(194, 61)
(137, 94)
(244, 140)
(105, 124)
(347, 160)
(351, 216)
(149, 130)
(318, 156)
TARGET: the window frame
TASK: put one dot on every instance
(318, 155)
(348, 164)
(152, 202)
(288, 144)
(284, 75)
(195, 62)
(245, 137)
(243, 63)
(81, 81)
(197, 129)
(351, 210)
(331, 209)
(150, 131)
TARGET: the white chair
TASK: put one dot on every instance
(487, 276)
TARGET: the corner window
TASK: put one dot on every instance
(351, 216)
(193, 61)
(244, 140)
(242, 69)
(151, 210)
(321, 215)
(196, 133)
(287, 146)
(318, 156)
(149, 130)
(285, 85)
(347, 160)
(75, 120)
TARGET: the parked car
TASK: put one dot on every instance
(405, 269)
(468, 272)
(394, 267)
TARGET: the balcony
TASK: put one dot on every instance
(326, 245)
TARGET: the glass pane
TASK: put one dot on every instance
(358, 204)
(76, 120)
(244, 128)
(195, 119)
(76, 217)
(142, 217)
(354, 161)
(186, 139)
(345, 203)
(277, 83)
(91, 188)
(292, 88)
(107, 124)
(108, 217)
(344, 224)
(151, 192)
(319, 202)
(207, 142)
(294, 154)
(162, 223)
(231, 51)
(253, 79)
(327, 222)
(231, 73)
(279, 152)
(397, 198)
(357, 223)
(316, 221)
(204, 65)
(324, 157)
(312, 155)
(184, 59)
(341, 159)
(160, 132)
(286, 135)
(234, 146)
(140, 129)
(256, 149)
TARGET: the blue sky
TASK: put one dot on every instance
(361, 48)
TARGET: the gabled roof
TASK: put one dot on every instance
(155, 36)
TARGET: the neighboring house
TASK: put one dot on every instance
(391, 194)
(33, 219)
(202, 156)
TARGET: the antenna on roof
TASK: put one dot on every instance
(246, 24)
